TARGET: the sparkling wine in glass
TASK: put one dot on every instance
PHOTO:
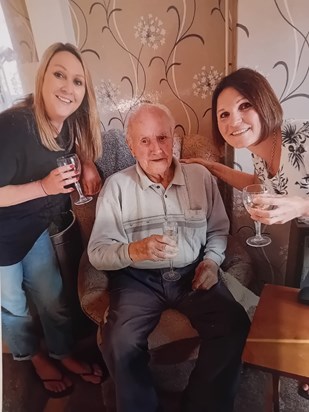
(171, 229)
(73, 159)
(251, 194)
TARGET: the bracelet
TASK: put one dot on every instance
(41, 183)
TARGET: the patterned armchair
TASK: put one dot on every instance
(174, 330)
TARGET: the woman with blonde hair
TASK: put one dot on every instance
(59, 118)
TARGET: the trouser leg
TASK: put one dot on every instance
(223, 325)
(42, 279)
(135, 308)
(39, 276)
(17, 323)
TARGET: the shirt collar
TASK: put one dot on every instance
(178, 178)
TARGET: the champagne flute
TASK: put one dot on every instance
(250, 193)
(73, 159)
(171, 229)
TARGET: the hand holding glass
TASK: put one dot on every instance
(250, 193)
(72, 159)
(171, 229)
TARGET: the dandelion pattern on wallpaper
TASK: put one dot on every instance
(150, 32)
(155, 50)
(205, 82)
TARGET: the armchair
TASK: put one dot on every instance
(173, 326)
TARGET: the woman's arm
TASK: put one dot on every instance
(90, 178)
(231, 176)
(52, 184)
(15, 194)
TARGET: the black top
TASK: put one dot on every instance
(24, 159)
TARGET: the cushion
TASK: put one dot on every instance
(116, 153)
(200, 146)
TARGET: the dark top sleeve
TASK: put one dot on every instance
(24, 159)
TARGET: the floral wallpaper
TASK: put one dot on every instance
(280, 51)
(166, 51)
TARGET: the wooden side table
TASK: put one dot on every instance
(278, 341)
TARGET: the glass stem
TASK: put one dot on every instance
(257, 229)
(171, 265)
(79, 189)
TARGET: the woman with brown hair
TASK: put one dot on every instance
(247, 114)
(60, 118)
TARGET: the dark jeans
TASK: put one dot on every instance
(137, 299)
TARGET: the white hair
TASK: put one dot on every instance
(147, 107)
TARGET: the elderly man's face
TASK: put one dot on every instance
(151, 143)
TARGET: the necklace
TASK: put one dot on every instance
(272, 155)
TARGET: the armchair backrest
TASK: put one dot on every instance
(116, 156)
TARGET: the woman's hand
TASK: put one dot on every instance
(283, 209)
(207, 163)
(90, 180)
(206, 275)
(58, 179)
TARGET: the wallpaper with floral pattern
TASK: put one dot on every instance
(169, 51)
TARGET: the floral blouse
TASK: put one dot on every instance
(292, 177)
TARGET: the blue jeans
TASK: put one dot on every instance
(36, 277)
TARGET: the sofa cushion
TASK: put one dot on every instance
(116, 153)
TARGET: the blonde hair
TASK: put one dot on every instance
(83, 124)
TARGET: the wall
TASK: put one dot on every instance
(167, 51)
(272, 37)
(24, 58)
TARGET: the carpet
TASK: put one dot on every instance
(252, 396)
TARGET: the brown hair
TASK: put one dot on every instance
(254, 87)
(84, 123)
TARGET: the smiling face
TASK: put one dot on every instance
(63, 87)
(151, 142)
(238, 121)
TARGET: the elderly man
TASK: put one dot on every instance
(128, 242)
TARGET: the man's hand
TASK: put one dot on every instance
(154, 247)
(206, 275)
(90, 179)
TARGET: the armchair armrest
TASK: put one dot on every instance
(238, 263)
(92, 290)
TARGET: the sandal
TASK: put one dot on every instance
(91, 372)
(57, 394)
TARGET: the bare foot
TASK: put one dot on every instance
(53, 380)
(88, 372)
